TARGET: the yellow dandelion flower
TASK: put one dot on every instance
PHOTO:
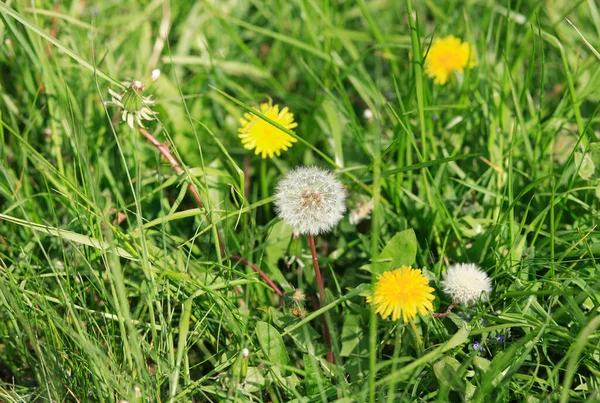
(404, 290)
(264, 138)
(447, 55)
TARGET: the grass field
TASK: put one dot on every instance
(129, 276)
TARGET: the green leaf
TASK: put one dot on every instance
(446, 372)
(481, 363)
(351, 333)
(276, 247)
(401, 250)
(585, 164)
(272, 344)
(304, 337)
(595, 153)
(313, 374)
(254, 381)
(334, 122)
(291, 381)
(457, 339)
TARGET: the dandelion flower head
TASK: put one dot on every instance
(311, 200)
(466, 283)
(264, 138)
(404, 291)
(447, 55)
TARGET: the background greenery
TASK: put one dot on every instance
(497, 168)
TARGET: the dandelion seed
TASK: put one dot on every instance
(466, 283)
(311, 200)
(404, 291)
(446, 56)
(264, 138)
(134, 107)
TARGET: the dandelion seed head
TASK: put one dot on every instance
(361, 212)
(466, 283)
(311, 200)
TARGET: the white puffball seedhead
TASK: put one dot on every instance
(311, 200)
(466, 283)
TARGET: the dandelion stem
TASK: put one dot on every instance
(264, 186)
(417, 336)
(260, 273)
(322, 297)
(174, 164)
(178, 169)
(443, 315)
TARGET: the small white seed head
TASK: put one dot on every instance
(361, 212)
(466, 283)
(311, 200)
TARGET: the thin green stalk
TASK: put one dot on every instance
(322, 296)
(184, 327)
(417, 336)
(397, 348)
(418, 76)
(264, 186)
(376, 220)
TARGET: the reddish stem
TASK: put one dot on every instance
(178, 169)
(443, 315)
(260, 273)
(322, 296)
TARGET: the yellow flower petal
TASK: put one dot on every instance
(264, 138)
(402, 292)
(447, 55)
